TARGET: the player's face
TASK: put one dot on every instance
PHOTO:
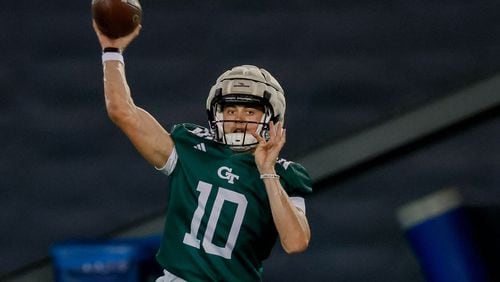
(239, 115)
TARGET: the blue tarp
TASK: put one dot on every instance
(130, 260)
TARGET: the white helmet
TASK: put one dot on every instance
(245, 84)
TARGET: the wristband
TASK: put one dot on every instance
(111, 50)
(112, 56)
(269, 176)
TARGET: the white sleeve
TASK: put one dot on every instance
(169, 167)
(299, 202)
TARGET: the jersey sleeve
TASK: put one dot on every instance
(178, 133)
(294, 178)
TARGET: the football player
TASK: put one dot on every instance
(231, 196)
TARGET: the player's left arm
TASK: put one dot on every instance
(290, 221)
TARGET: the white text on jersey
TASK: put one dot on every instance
(225, 172)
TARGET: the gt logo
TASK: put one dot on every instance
(225, 172)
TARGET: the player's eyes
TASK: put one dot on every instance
(248, 112)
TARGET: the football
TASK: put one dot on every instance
(116, 18)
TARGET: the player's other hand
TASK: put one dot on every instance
(267, 152)
(120, 43)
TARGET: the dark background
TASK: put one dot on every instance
(67, 172)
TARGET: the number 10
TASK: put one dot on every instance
(222, 196)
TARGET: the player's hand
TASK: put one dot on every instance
(120, 43)
(267, 152)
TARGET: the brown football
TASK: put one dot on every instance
(116, 18)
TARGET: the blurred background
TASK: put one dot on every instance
(346, 66)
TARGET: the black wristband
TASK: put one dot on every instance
(111, 50)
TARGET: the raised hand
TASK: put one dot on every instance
(120, 43)
(267, 152)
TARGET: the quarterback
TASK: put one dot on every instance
(231, 196)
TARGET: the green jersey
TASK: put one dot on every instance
(218, 224)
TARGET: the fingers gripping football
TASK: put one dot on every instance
(120, 43)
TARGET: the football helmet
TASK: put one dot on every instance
(245, 85)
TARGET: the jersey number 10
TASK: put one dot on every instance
(222, 195)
